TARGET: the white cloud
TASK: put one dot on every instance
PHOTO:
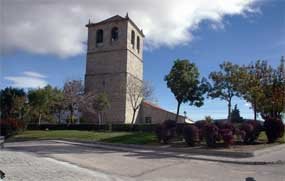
(57, 27)
(28, 80)
(34, 74)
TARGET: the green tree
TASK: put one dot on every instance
(224, 84)
(264, 87)
(12, 101)
(40, 102)
(273, 86)
(46, 103)
(249, 85)
(96, 104)
(209, 119)
(100, 104)
(57, 103)
(183, 81)
(235, 115)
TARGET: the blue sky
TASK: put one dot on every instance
(241, 37)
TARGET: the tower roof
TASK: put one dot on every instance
(114, 19)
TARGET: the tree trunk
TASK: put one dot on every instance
(177, 113)
(99, 118)
(229, 110)
(20, 115)
(254, 110)
(102, 117)
(59, 117)
(40, 117)
(71, 116)
(133, 119)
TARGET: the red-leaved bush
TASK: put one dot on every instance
(191, 134)
(249, 131)
(227, 135)
(226, 132)
(10, 126)
(201, 125)
(274, 129)
(211, 134)
(166, 131)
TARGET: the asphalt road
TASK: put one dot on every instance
(44, 160)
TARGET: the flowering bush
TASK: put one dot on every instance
(227, 135)
(226, 132)
(249, 131)
(201, 125)
(211, 135)
(191, 134)
(166, 131)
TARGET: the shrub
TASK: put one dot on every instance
(245, 132)
(249, 131)
(226, 132)
(191, 134)
(9, 126)
(227, 135)
(201, 125)
(211, 134)
(274, 129)
(225, 125)
(166, 131)
(179, 129)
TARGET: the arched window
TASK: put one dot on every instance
(138, 43)
(133, 39)
(115, 33)
(99, 36)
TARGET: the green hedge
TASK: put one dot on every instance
(89, 127)
(105, 127)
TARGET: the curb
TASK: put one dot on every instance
(170, 153)
(269, 150)
(203, 152)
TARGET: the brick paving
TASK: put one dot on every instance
(49, 160)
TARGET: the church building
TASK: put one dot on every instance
(114, 58)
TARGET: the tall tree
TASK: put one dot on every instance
(73, 93)
(183, 81)
(136, 92)
(39, 100)
(12, 101)
(249, 85)
(45, 103)
(96, 104)
(57, 103)
(224, 84)
(273, 86)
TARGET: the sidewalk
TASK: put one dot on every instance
(271, 155)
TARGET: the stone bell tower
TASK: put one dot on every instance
(115, 52)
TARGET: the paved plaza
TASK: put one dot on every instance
(50, 160)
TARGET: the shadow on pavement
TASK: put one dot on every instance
(250, 179)
(46, 147)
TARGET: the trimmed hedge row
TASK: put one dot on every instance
(105, 127)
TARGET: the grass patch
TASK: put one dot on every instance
(111, 137)
(263, 138)
(140, 138)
